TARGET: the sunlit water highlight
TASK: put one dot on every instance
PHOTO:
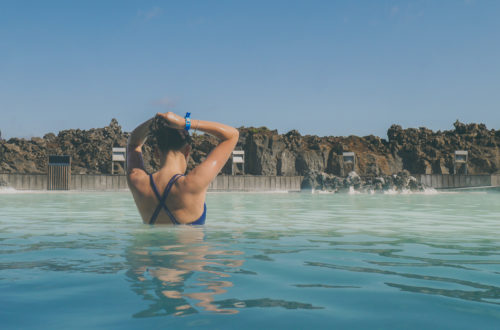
(84, 260)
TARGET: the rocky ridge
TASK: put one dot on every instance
(418, 151)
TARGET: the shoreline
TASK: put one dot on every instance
(108, 182)
(237, 183)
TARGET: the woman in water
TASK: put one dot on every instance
(168, 196)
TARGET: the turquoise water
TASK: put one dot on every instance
(84, 260)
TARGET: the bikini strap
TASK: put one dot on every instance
(153, 185)
(169, 186)
(162, 199)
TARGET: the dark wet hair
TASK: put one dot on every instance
(166, 138)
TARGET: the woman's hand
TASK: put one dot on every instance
(173, 120)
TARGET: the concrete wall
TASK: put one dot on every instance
(448, 181)
(25, 181)
(77, 181)
(98, 182)
(495, 180)
(255, 183)
(102, 182)
(85, 182)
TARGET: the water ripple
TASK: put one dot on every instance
(322, 260)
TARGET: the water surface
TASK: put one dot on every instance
(84, 260)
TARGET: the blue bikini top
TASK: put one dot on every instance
(162, 204)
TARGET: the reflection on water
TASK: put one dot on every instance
(179, 271)
(266, 302)
(297, 258)
(483, 294)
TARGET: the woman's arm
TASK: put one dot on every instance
(136, 140)
(200, 177)
(139, 135)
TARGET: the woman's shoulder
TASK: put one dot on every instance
(137, 179)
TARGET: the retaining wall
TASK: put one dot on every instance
(25, 181)
(449, 181)
(102, 182)
(255, 183)
(495, 180)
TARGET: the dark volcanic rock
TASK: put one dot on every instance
(90, 150)
(402, 181)
(426, 152)
(315, 180)
(418, 151)
(263, 148)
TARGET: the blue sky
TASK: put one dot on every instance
(322, 67)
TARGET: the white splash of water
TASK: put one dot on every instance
(7, 190)
(429, 191)
(392, 191)
(353, 191)
(316, 191)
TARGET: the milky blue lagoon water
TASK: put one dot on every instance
(300, 261)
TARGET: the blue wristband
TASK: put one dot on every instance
(188, 121)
